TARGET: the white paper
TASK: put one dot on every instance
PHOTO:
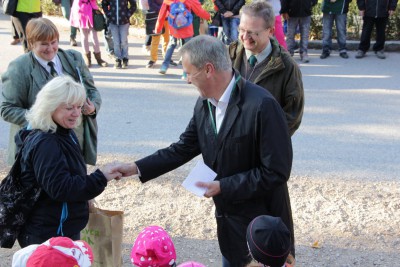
(200, 173)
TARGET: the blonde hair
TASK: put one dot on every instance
(60, 90)
(40, 29)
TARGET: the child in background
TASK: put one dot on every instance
(184, 33)
(118, 14)
(268, 240)
(57, 251)
(153, 247)
(298, 13)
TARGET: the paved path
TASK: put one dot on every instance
(350, 129)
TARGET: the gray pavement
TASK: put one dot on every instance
(350, 128)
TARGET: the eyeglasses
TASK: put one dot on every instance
(250, 33)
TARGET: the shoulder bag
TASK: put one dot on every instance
(16, 202)
(9, 6)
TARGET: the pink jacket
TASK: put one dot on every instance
(81, 13)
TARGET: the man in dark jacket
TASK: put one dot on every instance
(246, 143)
(374, 12)
(229, 10)
(274, 69)
(298, 13)
(334, 11)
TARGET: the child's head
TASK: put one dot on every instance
(268, 239)
(57, 251)
(153, 248)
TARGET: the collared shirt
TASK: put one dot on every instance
(222, 104)
(261, 56)
(55, 60)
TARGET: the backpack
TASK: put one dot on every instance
(179, 16)
(16, 202)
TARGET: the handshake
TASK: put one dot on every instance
(117, 170)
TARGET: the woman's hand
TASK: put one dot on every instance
(88, 108)
(110, 173)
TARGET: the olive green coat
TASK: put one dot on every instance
(23, 80)
(282, 78)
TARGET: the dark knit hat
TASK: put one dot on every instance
(268, 239)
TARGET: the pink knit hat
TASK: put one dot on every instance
(153, 248)
(191, 264)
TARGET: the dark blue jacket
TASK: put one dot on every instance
(298, 8)
(376, 8)
(55, 162)
(117, 11)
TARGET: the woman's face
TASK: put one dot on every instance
(67, 115)
(45, 50)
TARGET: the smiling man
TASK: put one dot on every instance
(241, 133)
(260, 59)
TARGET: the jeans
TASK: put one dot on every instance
(368, 25)
(170, 50)
(304, 25)
(230, 27)
(340, 21)
(66, 11)
(120, 37)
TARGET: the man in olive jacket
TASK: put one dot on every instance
(274, 69)
(24, 79)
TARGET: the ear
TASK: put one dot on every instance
(271, 31)
(210, 69)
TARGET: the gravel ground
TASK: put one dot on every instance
(354, 222)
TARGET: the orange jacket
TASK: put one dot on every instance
(186, 32)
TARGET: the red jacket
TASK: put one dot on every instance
(186, 32)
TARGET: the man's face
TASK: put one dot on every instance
(195, 76)
(253, 34)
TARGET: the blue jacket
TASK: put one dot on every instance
(376, 8)
(117, 11)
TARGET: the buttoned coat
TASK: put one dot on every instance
(251, 154)
(25, 77)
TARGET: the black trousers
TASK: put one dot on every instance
(20, 19)
(368, 25)
(26, 239)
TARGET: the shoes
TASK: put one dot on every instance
(117, 64)
(324, 55)
(343, 55)
(173, 63)
(125, 63)
(163, 69)
(15, 41)
(380, 54)
(304, 57)
(150, 64)
(72, 41)
(360, 54)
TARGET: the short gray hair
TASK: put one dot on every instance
(260, 9)
(59, 90)
(205, 49)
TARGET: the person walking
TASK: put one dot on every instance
(374, 12)
(334, 11)
(66, 11)
(82, 18)
(232, 117)
(118, 14)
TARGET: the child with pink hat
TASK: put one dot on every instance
(153, 248)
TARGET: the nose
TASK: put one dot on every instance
(77, 112)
